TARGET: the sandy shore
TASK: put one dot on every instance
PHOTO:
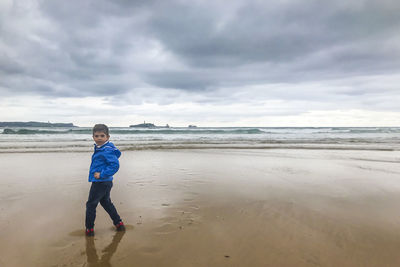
(227, 207)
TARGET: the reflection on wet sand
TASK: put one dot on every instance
(91, 252)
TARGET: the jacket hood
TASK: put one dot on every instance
(109, 147)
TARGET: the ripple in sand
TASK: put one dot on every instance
(142, 182)
(12, 197)
(184, 212)
(169, 219)
(80, 232)
(127, 227)
(61, 244)
(166, 228)
(149, 249)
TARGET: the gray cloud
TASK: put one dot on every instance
(209, 51)
(260, 32)
(187, 80)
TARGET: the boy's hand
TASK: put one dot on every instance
(97, 175)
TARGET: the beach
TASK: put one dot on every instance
(206, 207)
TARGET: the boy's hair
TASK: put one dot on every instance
(100, 128)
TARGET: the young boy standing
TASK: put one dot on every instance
(104, 165)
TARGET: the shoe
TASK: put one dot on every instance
(90, 232)
(120, 226)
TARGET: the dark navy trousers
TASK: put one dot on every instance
(100, 192)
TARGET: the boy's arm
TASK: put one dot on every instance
(112, 164)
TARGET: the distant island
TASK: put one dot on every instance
(147, 125)
(192, 126)
(35, 124)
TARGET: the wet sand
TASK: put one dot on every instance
(221, 207)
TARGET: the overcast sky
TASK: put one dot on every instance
(209, 63)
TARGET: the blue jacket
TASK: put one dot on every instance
(105, 161)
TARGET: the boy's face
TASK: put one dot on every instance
(100, 138)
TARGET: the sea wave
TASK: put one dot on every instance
(376, 130)
(136, 131)
(87, 145)
(211, 131)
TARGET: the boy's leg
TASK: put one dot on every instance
(109, 206)
(96, 193)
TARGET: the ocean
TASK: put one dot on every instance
(79, 138)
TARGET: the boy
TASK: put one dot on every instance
(104, 165)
